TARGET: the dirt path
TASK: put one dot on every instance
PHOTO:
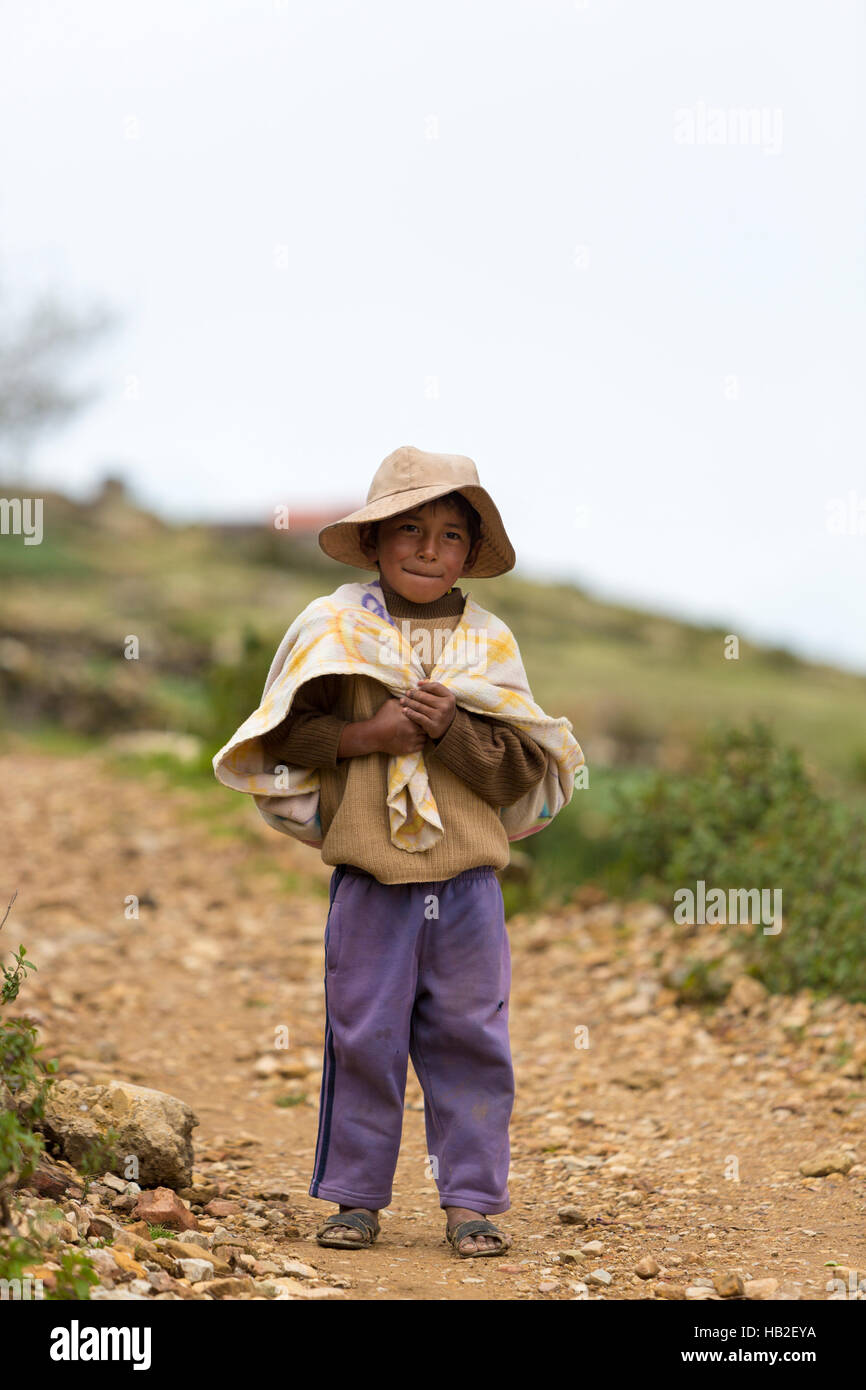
(638, 1130)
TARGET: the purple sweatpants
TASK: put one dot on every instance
(402, 981)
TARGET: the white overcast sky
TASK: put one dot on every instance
(476, 226)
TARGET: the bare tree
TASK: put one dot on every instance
(35, 354)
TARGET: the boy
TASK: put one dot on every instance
(417, 954)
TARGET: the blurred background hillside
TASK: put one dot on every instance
(210, 602)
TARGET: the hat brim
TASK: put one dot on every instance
(341, 539)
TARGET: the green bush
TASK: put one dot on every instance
(22, 1070)
(234, 689)
(583, 844)
(750, 817)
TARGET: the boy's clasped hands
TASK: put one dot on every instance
(405, 722)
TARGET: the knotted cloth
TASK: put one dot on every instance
(351, 633)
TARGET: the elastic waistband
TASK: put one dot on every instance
(465, 876)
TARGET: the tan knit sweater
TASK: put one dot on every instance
(478, 765)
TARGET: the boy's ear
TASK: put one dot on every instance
(472, 555)
(365, 540)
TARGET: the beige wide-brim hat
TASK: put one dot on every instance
(408, 478)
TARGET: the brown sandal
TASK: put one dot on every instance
(361, 1221)
(479, 1228)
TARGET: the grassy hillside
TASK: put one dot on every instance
(638, 687)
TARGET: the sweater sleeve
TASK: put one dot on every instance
(309, 735)
(498, 760)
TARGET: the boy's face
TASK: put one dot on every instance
(421, 552)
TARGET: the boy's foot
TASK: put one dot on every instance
(351, 1232)
(456, 1216)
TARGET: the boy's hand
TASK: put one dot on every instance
(392, 731)
(431, 705)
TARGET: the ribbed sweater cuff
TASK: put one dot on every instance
(312, 742)
(458, 741)
(322, 741)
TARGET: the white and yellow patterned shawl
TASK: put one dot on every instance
(350, 632)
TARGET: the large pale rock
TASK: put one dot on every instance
(153, 1127)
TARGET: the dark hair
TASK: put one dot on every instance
(467, 511)
(470, 516)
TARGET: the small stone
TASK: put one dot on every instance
(227, 1254)
(760, 1288)
(222, 1236)
(177, 1251)
(138, 1228)
(637, 1078)
(793, 1103)
(831, 1161)
(647, 1268)
(101, 1227)
(124, 1260)
(569, 1257)
(104, 1263)
(592, 1247)
(221, 1207)
(746, 993)
(227, 1288)
(546, 1286)
(163, 1207)
(571, 1216)
(670, 1291)
(299, 1268)
(728, 1285)
(293, 1287)
(274, 1192)
(700, 1292)
(600, 1276)
(113, 1181)
(196, 1270)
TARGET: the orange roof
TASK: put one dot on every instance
(308, 522)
